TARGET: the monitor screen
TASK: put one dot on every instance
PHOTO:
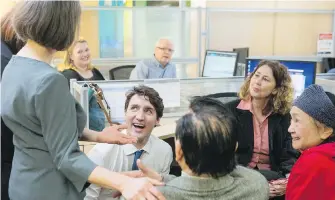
(302, 72)
(219, 63)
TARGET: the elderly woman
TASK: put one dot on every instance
(263, 120)
(312, 129)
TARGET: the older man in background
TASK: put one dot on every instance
(159, 66)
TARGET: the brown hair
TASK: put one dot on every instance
(68, 64)
(53, 24)
(150, 94)
(281, 102)
(8, 34)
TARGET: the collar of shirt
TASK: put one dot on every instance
(131, 149)
(157, 63)
(247, 105)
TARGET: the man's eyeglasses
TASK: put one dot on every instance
(166, 49)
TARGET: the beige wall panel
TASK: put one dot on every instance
(312, 5)
(296, 34)
(231, 30)
(241, 4)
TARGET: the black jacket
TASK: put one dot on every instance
(72, 74)
(7, 147)
(282, 155)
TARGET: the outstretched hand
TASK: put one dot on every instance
(140, 188)
(148, 172)
(113, 135)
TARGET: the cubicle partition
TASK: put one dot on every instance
(176, 93)
(115, 91)
(188, 88)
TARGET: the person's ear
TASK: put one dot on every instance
(326, 133)
(179, 152)
(157, 122)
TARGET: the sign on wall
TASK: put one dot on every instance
(325, 46)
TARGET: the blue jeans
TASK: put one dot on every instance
(96, 115)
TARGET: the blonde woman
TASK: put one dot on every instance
(264, 142)
(78, 66)
(78, 63)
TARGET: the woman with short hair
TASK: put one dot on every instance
(45, 118)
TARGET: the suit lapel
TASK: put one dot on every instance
(273, 122)
(247, 128)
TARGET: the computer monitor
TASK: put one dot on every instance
(219, 63)
(295, 67)
(243, 54)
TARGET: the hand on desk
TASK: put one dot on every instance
(113, 135)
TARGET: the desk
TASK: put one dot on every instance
(165, 130)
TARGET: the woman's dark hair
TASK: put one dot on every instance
(52, 24)
(208, 138)
(151, 95)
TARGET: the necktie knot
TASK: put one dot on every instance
(137, 156)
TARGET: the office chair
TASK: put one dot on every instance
(225, 96)
(121, 72)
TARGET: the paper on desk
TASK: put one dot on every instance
(168, 89)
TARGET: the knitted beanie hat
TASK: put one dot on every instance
(315, 102)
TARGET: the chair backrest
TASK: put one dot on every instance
(224, 97)
(121, 72)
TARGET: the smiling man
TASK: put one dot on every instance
(143, 110)
(159, 66)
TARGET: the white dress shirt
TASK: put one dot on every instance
(119, 158)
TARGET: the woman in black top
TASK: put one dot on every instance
(262, 111)
(78, 66)
(10, 45)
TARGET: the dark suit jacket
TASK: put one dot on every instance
(282, 155)
(7, 147)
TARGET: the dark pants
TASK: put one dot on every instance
(5, 174)
(272, 175)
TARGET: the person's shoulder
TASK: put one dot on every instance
(250, 177)
(172, 65)
(69, 72)
(160, 144)
(103, 149)
(315, 160)
(232, 105)
(148, 62)
(172, 189)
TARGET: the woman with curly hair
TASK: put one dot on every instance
(262, 111)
